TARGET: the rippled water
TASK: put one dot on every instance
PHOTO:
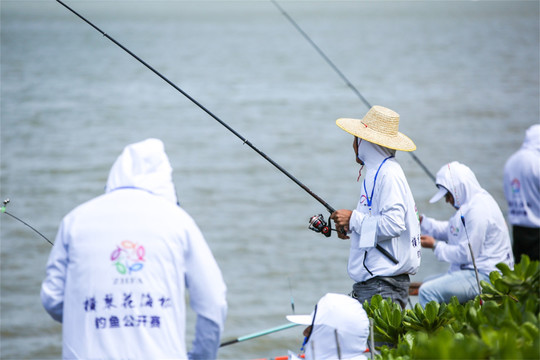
(464, 77)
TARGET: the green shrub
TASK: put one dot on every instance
(387, 319)
(502, 323)
(520, 284)
(430, 319)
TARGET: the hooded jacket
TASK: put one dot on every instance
(478, 219)
(340, 329)
(120, 266)
(393, 209)
(522, 181)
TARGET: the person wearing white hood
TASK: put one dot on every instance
(118, 273)
(479, 221)
(522, 191)
(338, 328)
(384, 228)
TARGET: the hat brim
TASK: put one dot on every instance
(439, 195)
(300, 319)
(355, 127)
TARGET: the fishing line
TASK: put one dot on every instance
(292, 298)
(245, 141)
(3, 210)
(343, 77)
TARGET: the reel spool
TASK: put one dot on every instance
(318, 224)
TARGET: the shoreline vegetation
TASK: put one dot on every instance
(501, 323)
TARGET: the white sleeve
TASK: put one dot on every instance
(355, 222)
(391, 221)
(207, 293)
(392, 208)
(453, 254)
(52, 288)
(475, 233)
(436, 228)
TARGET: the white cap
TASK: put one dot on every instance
(439, 195)
(300, 319)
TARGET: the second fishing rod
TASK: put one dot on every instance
(317, 223)
(342, 76)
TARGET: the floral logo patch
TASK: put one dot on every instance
(516, 185)
(128, 257)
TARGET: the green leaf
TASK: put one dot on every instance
(396, 318)
(432, 308)
(505, 269)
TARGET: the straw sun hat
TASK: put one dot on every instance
(379, 126)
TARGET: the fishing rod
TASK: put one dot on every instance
(472, 256)
(330, 209)
(264, 332)
(343, 77)
(457, 200)
(4, 211)
(258, 334)
(244, 140)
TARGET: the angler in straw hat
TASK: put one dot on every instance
(385, 219)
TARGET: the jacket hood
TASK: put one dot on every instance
(532, 138)
(460, 181)
(143, 165)
(373, 155)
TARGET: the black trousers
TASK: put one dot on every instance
(526, 241)
(393, 287)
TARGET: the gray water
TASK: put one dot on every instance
(464, 77)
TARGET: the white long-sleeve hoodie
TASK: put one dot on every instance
(119, 268)
(522, 181)
(485, 226)
(393, 207)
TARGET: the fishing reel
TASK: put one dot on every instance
(318, 224)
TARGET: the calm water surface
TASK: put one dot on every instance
(464, 77)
